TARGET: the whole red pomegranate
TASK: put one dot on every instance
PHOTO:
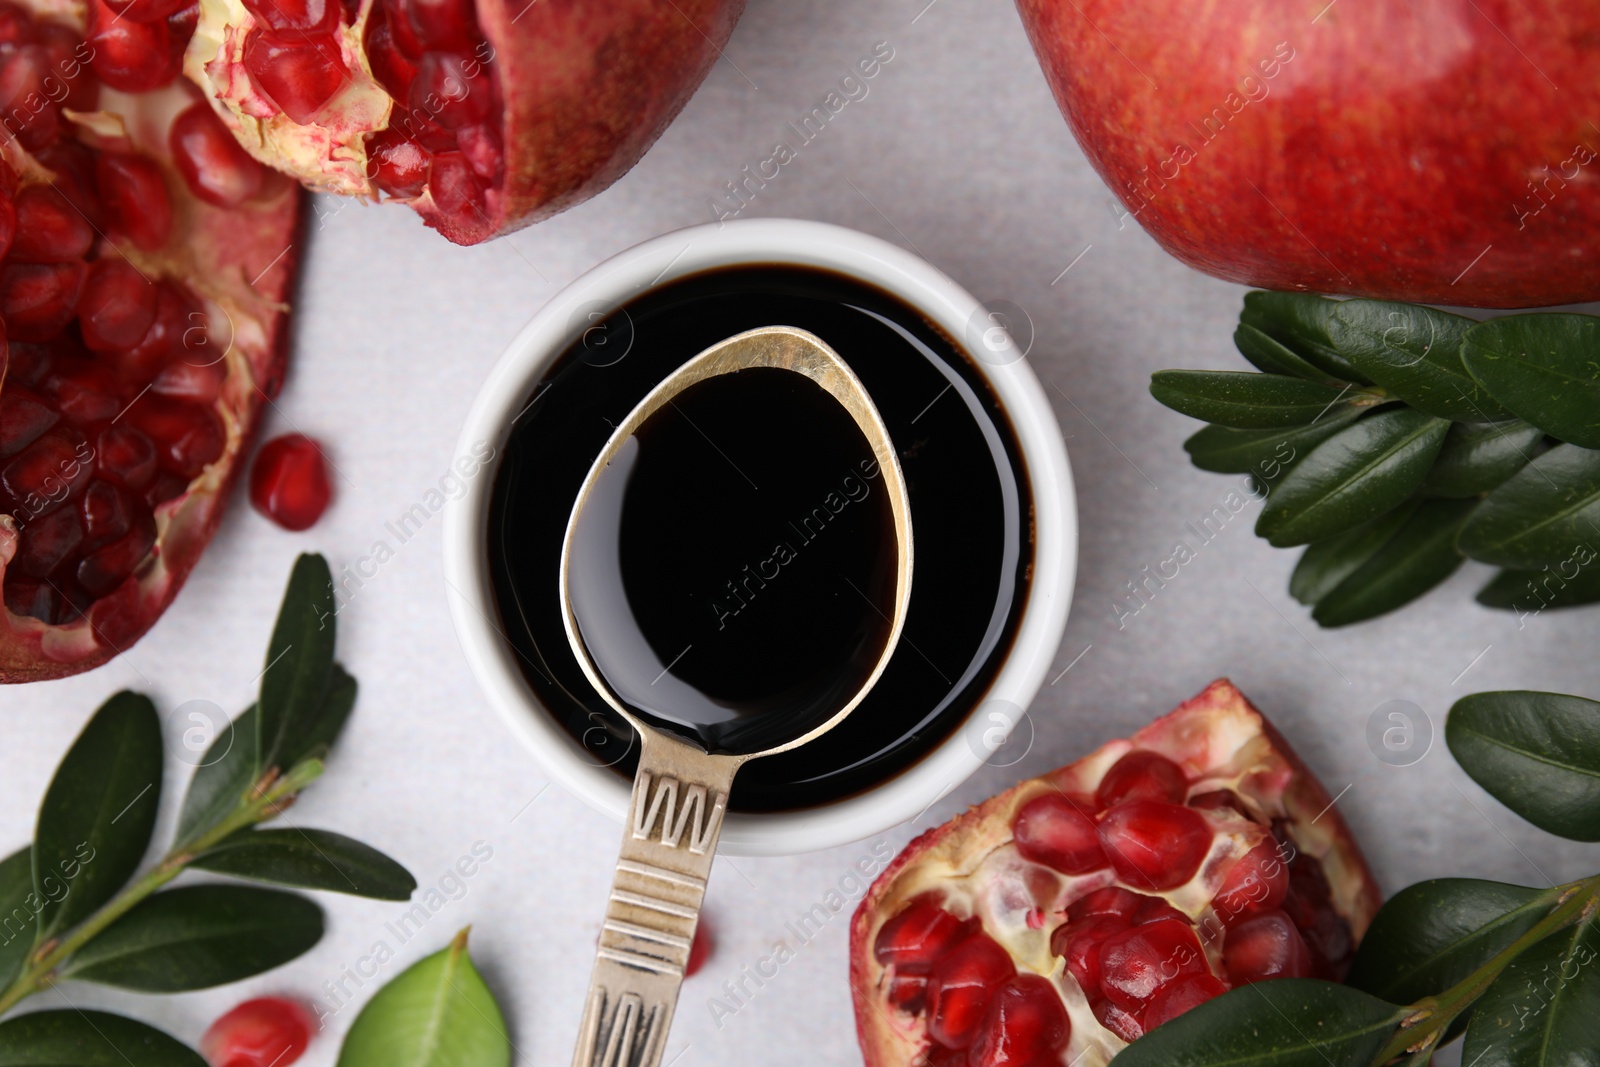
(145, 318)
(1442, 151)
(1065, 917)
(483, 115)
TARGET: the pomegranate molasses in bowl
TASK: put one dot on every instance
(742, 536)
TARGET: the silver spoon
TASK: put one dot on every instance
(680, 792)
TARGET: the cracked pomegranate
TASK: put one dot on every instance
(144, 320)
(289, 481)
(483, 116)
(1064, 918)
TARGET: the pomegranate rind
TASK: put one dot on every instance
(241, 263)
(971, 864)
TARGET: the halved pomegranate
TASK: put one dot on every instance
(1058, 921)
(483, 115)
(145, 323)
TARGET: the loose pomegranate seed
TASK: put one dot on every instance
(300, 75)
(450, 25)
(960, 986)
(1154, 844)
(187, 436)
(1125, 1024)
(1178, 997)
(398, 164)
(267, 1032)
(1027, 1025)
(69, 59)
(135, 196)
(390, 66)
(102, 571)
(117, 307)
(289, 481)
(24, 415)
(84, 391)
(1137, 962)
(453, 186)
(147, 10)
(134, 57)
(1265, 946)
(917, 938)
(301, 16)
(704, 939)
(1142, 776)
(38, 299)
(453, 90)
(49, 472)
(1255, 884)
(481, 147)
(126, 455)
(1051, 831)
(47, 541)
(49, 229)
(213, 165)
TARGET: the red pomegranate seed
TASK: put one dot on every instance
(1221, 800)
(300, 75)
(1112, 900)
(134, 57)
(453, 186)
(135, 196)
(26, 99)
(444, 24)
(289, 481)
(1326, 933)
(38, 299)
(69, 59)
(1051, 831)
(117, 307)
(1154, 844)
(35, 599)
(298, 16)
(167, 486)
(481, 147)
(960, 986)
(197, 382)
(49, 472)
(454, 91)
(179, 329)
(1178, 997)
(1125, 1024)
(216, 169)
(102, 571)
(180, 29)
(399, 165)
(187, 436)
(399, 22)
(8, 224)
(1265, 946)
(105, 514)
(267, 1032)
(146, 10)
(73, 165)
(908, 993)
(390, 66)
(49, 229)
(704, 942)
(1255, 884)
(1079, 944)
(1027, 1025)
(47, 541)
(1142, 776)
(85, 391)
(29, 364)
(127, 455)
(1137, 962)
(16, 25)
(24, 415)
(914, 940)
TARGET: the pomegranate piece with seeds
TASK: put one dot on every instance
(289, 481)
(513, 112)
(265, 1032)
(146, 323)
(1223, 863)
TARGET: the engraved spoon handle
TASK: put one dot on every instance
(668, 843)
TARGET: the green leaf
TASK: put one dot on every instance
(437, 1013)
(309, 859)
(1544, 368)
(338, 699)
(1541, 1011)
(1290, 1022)
(18, 924)
(1352, 477)
(1274, 357)
(98, 811)
(1224, 450)
(1541, 514)
(1327, 562)
(1415, 353)
(1301, 322)
(298, 665)
(199, 936)
(1420, 555)
(225, 774)
(1527, 592)
(1431, 935)
(1537, 753)
(1250, 401)
(1477, 456)
(77, 1038)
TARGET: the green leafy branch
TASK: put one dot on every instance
(1514, 969)
(71, 906)
(1395, 440)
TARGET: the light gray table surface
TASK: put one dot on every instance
(958, 152)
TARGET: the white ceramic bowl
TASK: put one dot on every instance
(767, 241)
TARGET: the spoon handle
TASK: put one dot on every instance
(679, 797)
